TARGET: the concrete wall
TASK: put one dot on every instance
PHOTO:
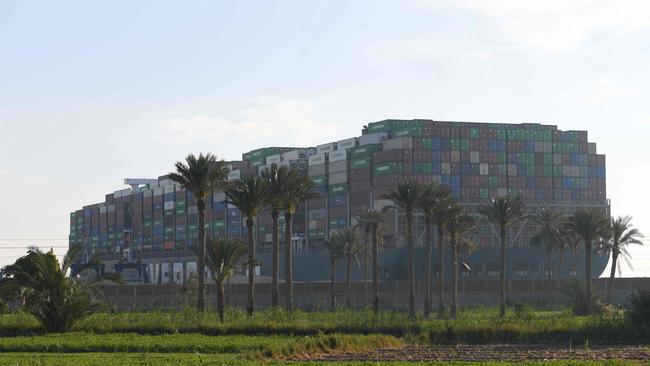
(393, 294)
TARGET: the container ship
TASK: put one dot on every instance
(146, 231)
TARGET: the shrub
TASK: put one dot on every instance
(638, 314)
(580, 303)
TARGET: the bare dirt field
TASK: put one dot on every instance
(493, 353)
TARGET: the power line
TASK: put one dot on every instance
(42, 246)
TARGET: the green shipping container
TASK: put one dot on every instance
(360, 163)
(338, 188)
(387, 168)
(319, 180)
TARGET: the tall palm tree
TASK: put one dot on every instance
(298, 189)
(337, 251)
(406, 196)
(458, 226)
(222, 257)
(503, 212)
(276, 177)
(433, 197)
(622, 234)
(365, 226)
(549, 234)
(442, 211)
(250, 196)
(41, 282)
(351, 243)
(202, 176)
(375, 220)
(590, 225)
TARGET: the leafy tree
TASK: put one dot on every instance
(298, 188)
(433, 202)
(250, 196)
(503, 212)
(222, 257)
(40, 281)
(202, 176)
(336, 247)
(375, 220)
(590, 225)
(549, 235)
(458, 226)
(351, 244)
(406, 196)
(622, 234)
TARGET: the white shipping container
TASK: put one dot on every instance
(474, 157)
(234, 175)
(158, 191)
(291, 155)
(316, 170)
(483, 169)
(346, 144)
(338, 178)
(405, 142)
(373, 138)
(338, 166)
(325, 148)
(337, 156)
(169, 205)
(312, 224)
(317, 159)
(218, 197)
(591, 148)
(273, 159)
(168, 188)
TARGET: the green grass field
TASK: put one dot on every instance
(188, 338)
(103, 359)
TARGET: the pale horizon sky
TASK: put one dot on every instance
(94, 92)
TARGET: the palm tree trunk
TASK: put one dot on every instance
(375, 270)
(365, 263)
(427, 278)
(200, 302)
(454, 278)
(612, 275)
(250, 225)
(332, 285)
(349, 275)
(588, 275)
(220, 301)
(409, 234)
(441, 271)
(548, 267)
(287, 261)
(502, 274)
(275, 290)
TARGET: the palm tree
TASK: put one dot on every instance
(250, 196)
(590, 225)
(41, 282)
(503, 212)
(406, 196)
(622, 235)
(337, 251)
(222, 257)
(374, 219)
(432, 201)
(298, 189)
(458, 226)
(442, 211)
(350, 240)
(202, 176)
(549, 235)
(276, 179)
(365, 226)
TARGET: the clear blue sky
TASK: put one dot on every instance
(92, 92)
